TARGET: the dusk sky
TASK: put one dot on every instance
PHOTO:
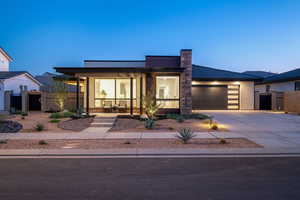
(226, 34)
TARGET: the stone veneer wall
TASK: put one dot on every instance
(49, 101)
(186, 81)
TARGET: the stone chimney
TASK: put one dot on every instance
(186, 81)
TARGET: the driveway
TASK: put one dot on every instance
(267, 128)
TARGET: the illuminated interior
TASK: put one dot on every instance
(114, 92)
(167, 91)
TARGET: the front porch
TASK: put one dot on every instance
(111, 93)
(122, 93)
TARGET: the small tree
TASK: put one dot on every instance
(150, 106)
(60, 90)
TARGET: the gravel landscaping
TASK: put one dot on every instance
(165, 125)
(127, 143)
(76, 124)
(65, 125)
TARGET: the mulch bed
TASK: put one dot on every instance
(128, 143)
(76, 124)
(8, 126)
(165, 125)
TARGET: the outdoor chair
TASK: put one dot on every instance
(107, 106)
(122, 106)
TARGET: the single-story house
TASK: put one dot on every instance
(269, 92)
(13, 83)
(175, 83)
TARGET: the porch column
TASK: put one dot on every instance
(77, 94)
(131, 96)
(87, 95)
(141, 95)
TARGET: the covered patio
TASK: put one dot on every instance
(121, 90)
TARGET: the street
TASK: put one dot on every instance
(150, 178)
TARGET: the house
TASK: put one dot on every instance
(175, 83)
(48, 80)
(262, 74)
(14, 85)
(269, 92)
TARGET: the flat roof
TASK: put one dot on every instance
(74, 70)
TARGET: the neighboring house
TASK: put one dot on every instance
(48, 80)
(262, 74)
(12, 85)
(176, 84)
(269, 92)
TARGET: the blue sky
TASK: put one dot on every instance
(226, 34)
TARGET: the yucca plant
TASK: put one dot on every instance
(185, 135)
(150, 105)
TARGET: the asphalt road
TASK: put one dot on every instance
(149, 178)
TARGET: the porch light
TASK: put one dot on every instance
(237, 83)
(215, 83)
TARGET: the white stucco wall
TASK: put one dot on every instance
(15, 82)
(278, 87)
(1, 96)
(246, 91)
(4, 63)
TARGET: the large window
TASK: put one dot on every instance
(114, 92)
(167, 91)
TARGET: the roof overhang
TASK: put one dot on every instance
(74, 70)
(6, 54)
(280, 80)
(225, 79)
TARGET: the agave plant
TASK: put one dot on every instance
(185, 135)
(149, 123)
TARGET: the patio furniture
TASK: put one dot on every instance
(123, 106)
(107, 106)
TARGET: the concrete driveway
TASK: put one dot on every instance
(267, 128)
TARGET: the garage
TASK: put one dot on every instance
(209, 97)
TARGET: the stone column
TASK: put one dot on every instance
(7, 100)
(24, 94)
(186, 81)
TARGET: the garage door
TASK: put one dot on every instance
(210, 97)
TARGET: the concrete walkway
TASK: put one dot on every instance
(101, 133)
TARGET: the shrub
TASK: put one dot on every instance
(149, 124)
(56, 115)
(172, 116)
(185, 135)
(3, 141)
(39, 127)
(127, 142)
(24, 114)
(180, 119)
(67, 114)
(54, 120)
(170, 128)
(42, 142)
(223, 141)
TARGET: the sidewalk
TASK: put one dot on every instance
(101, 133)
